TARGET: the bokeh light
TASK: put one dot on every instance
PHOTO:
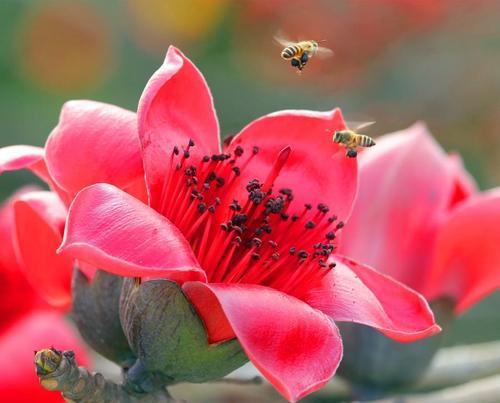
(156, 23)
(65, 46)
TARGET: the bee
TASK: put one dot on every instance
(299, 53)
(352, 140)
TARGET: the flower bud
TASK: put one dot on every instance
(95, 312)
(374, 361)
(169, 338)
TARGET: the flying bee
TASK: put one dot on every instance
(299, 53)
(352, 140)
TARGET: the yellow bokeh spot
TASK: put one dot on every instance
(65, 46)
(161, 22)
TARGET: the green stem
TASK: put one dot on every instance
(59, 371)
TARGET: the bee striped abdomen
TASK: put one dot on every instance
(366, 141)
(290, 51)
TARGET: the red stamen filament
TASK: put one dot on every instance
(259, 243)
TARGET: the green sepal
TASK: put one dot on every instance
(375, 362)
(168, 337)
(96, 314)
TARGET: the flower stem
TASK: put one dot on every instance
(59, 371)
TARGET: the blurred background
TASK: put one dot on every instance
(396, 61)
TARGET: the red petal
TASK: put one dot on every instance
(405, 187)
(40, 329)
(13, 158)
(317, 169)
(356, 293)
(467, 255)
(176, 106)
(114, 231)
(465, 185)
(39, 221)
(296, 348)
(95, 142)
(18, 296)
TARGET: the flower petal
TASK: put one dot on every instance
(13, 158)
(37, 330)
(39, 220)
(297, 348)
(465, 185)
(466, 263)
(114, 231)
(95, 142)
(405, 187)
(317, 169)
(357, 293)
(18, 296)
(176, 106)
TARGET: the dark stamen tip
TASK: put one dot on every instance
(310, 225)
(303, 254)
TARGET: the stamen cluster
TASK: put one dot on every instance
(256, 240)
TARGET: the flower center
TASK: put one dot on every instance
(255, 240)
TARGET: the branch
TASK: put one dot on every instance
(485, 390)
(255, 380)
(456, 365)
(452, 366)
(58, 371)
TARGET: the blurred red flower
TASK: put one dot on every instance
(28, 323)
(234, 227)
(40, 216)
(419, 218)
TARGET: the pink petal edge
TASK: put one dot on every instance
(113, 231)
(176, 106)
(354, 292)
(296, 347)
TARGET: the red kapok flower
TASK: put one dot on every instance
(419, 219)
(248, 231)
(27, 323)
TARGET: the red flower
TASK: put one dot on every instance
(27, 322)
(419, 219)
(233, 227)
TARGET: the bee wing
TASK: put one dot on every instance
(324, 53)
(281, 40)
(358, 125)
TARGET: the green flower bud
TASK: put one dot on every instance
(168, 337)
(96, 314)
(374, 361)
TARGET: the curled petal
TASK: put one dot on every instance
(316, 163)
(114, 231)
(37, 330)
(39, 220)
(405, 187)
(95, 142)
(356, 293)
(13, 158)
(466, 264)
(296, 347)
(176, 106)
